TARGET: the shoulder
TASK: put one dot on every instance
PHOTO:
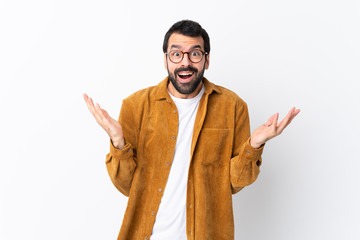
(225, 95)
(138, 104)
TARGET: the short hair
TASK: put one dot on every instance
(188, 28)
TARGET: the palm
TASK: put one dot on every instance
(109, 124)
(271, 128)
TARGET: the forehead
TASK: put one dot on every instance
(185, 42)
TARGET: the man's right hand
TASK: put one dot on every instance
(110, 125)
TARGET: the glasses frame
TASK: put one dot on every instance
(188, 53)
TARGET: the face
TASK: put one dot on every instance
(185, 77)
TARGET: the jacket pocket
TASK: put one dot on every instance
(215, 146)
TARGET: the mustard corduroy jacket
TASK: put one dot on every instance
(222, 160)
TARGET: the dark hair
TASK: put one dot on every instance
(188, 28)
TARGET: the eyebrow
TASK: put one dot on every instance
(178, 46)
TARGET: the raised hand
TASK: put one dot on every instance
(271, 128)
(110, 125)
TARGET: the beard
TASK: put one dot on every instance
(189, 87)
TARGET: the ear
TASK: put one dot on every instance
(165, 62)
(207, 63)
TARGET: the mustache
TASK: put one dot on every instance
(185, 69)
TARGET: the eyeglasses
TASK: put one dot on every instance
(177, 56)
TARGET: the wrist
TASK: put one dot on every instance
(119, 144)
(255, 145)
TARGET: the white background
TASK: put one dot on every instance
(274, 54)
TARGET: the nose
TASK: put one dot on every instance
(186, 60)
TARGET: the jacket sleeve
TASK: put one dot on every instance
(121, 164)
(245, 161)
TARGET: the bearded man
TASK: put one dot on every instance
(182, 148)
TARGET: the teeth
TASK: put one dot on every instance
(185, 74)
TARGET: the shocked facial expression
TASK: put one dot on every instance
(185, 75)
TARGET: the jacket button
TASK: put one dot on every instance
(173, 137)
(153, 213)
(146, 238)
(168, 163)
(174, 111)
(160, 189)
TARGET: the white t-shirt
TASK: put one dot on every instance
(170, 220)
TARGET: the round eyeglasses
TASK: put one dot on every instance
(177, 56)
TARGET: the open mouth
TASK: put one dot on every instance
(186, 75)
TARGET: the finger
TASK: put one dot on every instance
(91, 106)
(286, 118)
(295, 113)
(98, 115)
(106, 120)
(86, 98)
(99, 111)
(103, 115)
(271, 119)
(89, 103)
(275, 119)
(106, 114)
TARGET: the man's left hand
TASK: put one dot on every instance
(271, 128)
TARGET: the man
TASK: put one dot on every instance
(182, 148)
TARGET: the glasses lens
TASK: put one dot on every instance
(175, 56)
(195, 55)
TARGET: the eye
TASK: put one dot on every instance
(195, 53)
(175, 54)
